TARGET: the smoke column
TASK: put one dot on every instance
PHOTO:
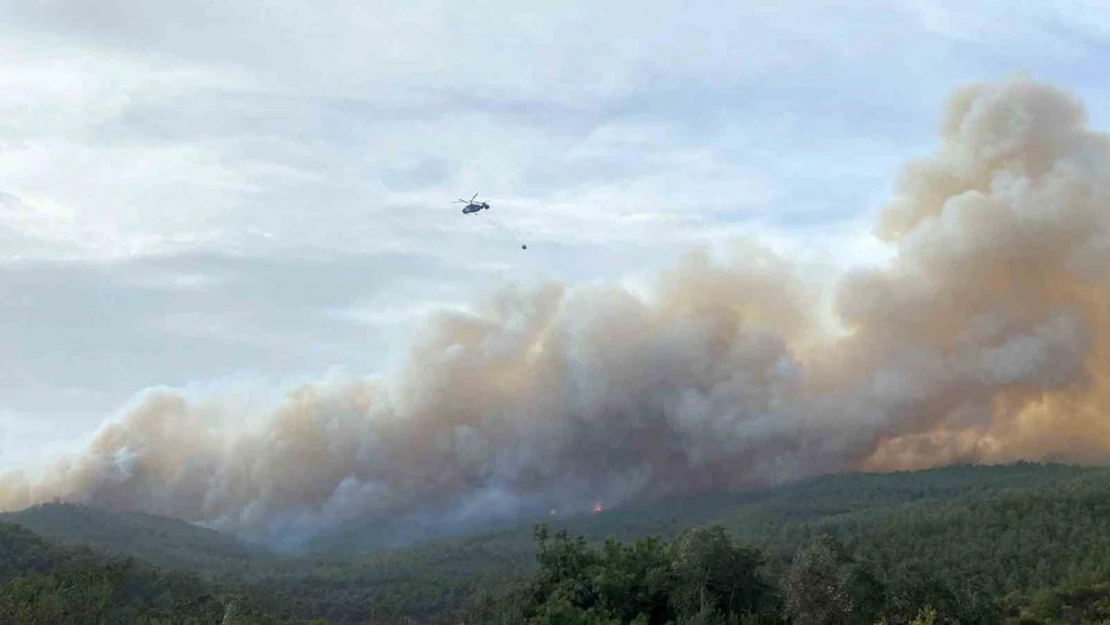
(984, 340)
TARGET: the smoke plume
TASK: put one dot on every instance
(985, 339)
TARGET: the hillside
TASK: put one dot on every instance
(751, 515)
(1020, 520)
(163, 541)
(759, 514)
(999, 530)
(756, 516)
(750, 512)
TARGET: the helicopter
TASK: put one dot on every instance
(472, 206)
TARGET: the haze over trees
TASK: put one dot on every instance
(1023, 543)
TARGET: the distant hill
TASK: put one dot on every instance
(750, 513)
(761, 514)
(162, 541)
(363, 537)
(923, 518)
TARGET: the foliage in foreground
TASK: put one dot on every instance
(41, 584)
(703, 577)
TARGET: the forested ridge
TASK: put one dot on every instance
(159, 540)
(1023, 542)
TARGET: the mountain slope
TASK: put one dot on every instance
(1024, 526)
(748, 512)
(908, 522)
(162, 541)
(754, 515)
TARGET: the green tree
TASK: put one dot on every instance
(826, 586)
(564, 573)
(713, 575)
(635, 581)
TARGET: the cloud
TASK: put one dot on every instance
(981, 339)
(579, 55)
(132, 323)
(201, 196)
(340, 126)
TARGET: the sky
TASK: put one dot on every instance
(209, 195)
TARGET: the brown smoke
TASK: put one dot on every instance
(984, 340)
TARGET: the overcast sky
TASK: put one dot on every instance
(202, 193)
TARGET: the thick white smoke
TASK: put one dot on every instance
(985, 339)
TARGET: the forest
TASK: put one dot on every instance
(1021, 543)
